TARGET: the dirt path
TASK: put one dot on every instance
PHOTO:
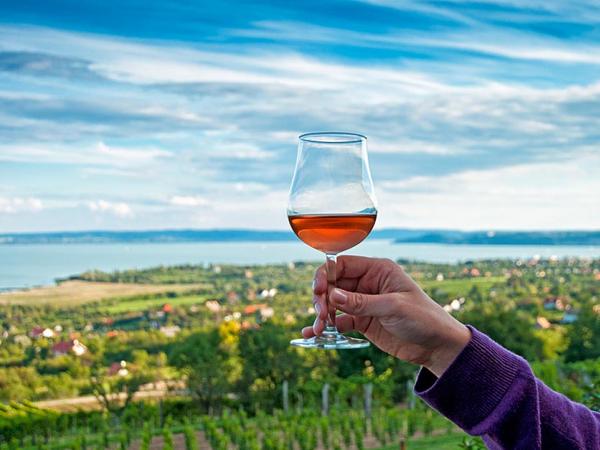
(89, 402)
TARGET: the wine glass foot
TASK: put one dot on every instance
(333, 341)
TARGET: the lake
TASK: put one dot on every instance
(32, 265)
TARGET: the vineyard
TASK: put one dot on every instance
(162, 425)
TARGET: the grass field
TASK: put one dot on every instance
(461, 286)
(74, 293)
(141, 304)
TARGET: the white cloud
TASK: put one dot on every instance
(555, 194)
(412, 146)
(120, 209)
(521, 49)
(246, 153)
(12, 205)
(83, 154)
(188, 200)
(128, 156)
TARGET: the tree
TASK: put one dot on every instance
(115, 393)
(511, 328)
(584, 336)
(210, 365)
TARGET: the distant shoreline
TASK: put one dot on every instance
(396, 235)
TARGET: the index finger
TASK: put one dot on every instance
(347, 267)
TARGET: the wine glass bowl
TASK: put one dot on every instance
(332, 208)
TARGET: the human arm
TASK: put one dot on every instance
(491, 392)
(469, 378)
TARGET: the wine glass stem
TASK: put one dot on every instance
(331, 260)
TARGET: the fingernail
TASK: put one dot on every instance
(314, 283)
(339, 297)
(316, 323)
(317, 307)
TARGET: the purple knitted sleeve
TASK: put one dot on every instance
(491, 392)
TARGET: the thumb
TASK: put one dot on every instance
(359, 304)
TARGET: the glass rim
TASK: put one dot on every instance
(321, 137)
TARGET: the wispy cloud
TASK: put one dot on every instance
(13, 205)
(127, 156)
(75, 153)
(188, 201)
(456, 99)
(120, 209)
(522, 196)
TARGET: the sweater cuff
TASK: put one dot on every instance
(474, 384)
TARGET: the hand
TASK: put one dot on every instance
(382, 302)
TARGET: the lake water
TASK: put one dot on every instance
(32, 265)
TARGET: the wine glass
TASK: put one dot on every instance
(332, 208)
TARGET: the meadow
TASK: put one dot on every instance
(77, 292)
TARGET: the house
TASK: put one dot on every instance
(118, 368)
(266, 313)
(475, 272)
(22, 340)
(253, 309)
(232, 297)
(268, 293)
(170, 331)
(70, 346)
(213, 306)
(552, 303)
(37, 332)
(246, 325)
(569, 317)
(48, 333)
(543, 323)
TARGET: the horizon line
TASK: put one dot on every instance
(273, 230)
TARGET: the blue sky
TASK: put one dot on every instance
(142, 115)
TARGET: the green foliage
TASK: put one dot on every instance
(146, 437)
(123, 441)
(167, 439)
(359, 437)
(206, 365)
(584, 338)
(469, 443)
(324, 428)
(428, 422)
(513, 329)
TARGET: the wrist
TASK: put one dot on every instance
(445, 353)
